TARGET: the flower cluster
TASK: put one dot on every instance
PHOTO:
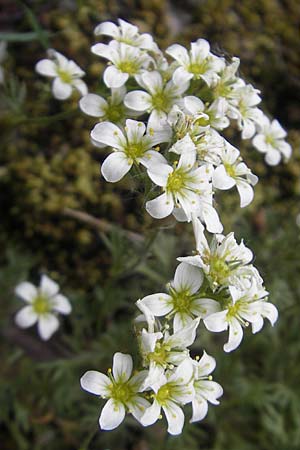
(163, 116)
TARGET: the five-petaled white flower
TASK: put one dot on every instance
(222, 261)
(183, 184)
(127, 61)
(198, 63)
(244, 306)
(233, 172)
(171, 390)
(128, 34)
(120, 388)
(182, 302)
(43, 304)
(270, 141)
(159, 98)
(66, 73)
(132, 146)
(206, 390)
(242, 107)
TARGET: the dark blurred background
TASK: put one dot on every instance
(60, 217)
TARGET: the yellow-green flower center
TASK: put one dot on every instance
(41, 304)
(130, 67)
(161, 101)
(230, 169)
(65, 76)
(163, 394)
(198, 68)
(160, 354)
(270, 140)
(181, 301)
(233, 309)
(121, 392)
(219, 269)
(176, 181)
(134, 150)
(114, 113)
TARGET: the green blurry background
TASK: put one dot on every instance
(60, 217)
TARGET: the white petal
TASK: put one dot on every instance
(93, 105)
(210, 390)
(259, 142)
(245, 191)
(151, 158)
(273, 157)
(211, 219)
(138, 101)
(200, 408)
(80, 86)
(122, 367)
(270, 312)
(193, 104)
(108, 29)
(105, 51)
(179, 53)
(159, 173)
(112, 415)
(135, 130)
(115, 167)
(61, 304)
(285, 149)
(151, 414)
(203, 307)
(47, 325)
(26, 317)
(26, 291)
(160, 304)
(95, 382)
(206, 365)
(181, 76)
(114, 78)
(277, 131)
(199, 50)
(217, 322)
(47, 68)
(184, 372)
(137, 406)
(185, 337)
(188, 278)
(152, 81)
(161, 206)
(61, 90)
(48, 287)
(235, 335)
(181, 320)
(109, 134)
(175, 418)
(221, 180)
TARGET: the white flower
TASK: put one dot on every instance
(214, 115)
(171, 391)
(159, 98)
(182, 302)
(162, 351)
(183, 184)
(132, 146)
(126, 61)
(66, 73)
(270, 140)
(222, 260)
(127, 33)
(198, 63)
(206, 390)
(242, 107)
(111, 109)
(43, 304)
(227, 81)
(233, 172)
(244, 306)
(120, 388)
